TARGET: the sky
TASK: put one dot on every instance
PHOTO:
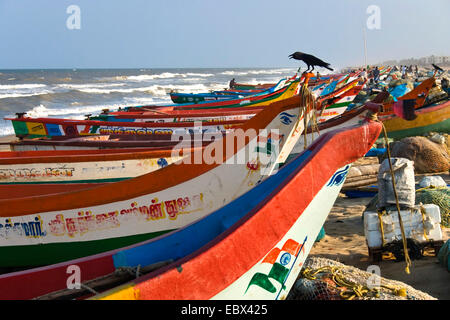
(213, 33)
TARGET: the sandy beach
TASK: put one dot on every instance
(345, 242)
(9, 138)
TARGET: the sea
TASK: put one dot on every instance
(74, 93)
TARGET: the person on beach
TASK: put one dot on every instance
(364, 75)
(232, 83)
(376, 74)
(444, 83)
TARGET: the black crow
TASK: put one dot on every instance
(437, 67)
(310, 60)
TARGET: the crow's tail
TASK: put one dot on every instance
(329, 68)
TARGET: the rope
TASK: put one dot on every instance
(88, 288)
(422, 211)
(374, 117)
(134, 271)
(405, 248)
(353, 289)
(309, 104)
(380, 219)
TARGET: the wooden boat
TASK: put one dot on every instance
(112, 141)
(252, 101)
(432, 118)
(181, 98)
(226, 114)
(339, 104)
(50, 127)
(265, 233)
(248, 86)
(38, 127)
(419, 93)
(34, 173)
(285, 225)
(349, 118)
(51, 228)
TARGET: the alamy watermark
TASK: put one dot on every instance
(256, 149)
(373, 22)
(74, 280)
(73, 22)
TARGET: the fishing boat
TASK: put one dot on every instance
(263, 253)
(419, 94)
(347, 119)
(181, 98)
(249, 86)
(226, 114)
(434, 118)
(338, 104)
(287, 91)
(47, 229)
(31, 173)
(40, 127)
(109, 141)
(50, 127)
(264, 234)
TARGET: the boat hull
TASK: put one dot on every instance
(429, 119)
(164, 200)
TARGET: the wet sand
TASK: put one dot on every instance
(345, 242)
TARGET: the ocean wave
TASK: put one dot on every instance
(259, 72)
(89, 85)
(6, 129)
(21, 86)
(22, 90)
(42, 111)
(167, 75)
(23, 94)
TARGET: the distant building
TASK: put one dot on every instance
(424, 61)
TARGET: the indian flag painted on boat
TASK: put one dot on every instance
(280, 262)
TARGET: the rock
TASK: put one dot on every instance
(428, 157)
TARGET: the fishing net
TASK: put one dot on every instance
(428, 156)
(325, 279)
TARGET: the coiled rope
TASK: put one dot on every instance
(353, 289)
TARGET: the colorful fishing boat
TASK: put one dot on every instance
(339, 103)
(51, 228)
(33, 173)
(226, 114)
(263, 252)
(264, 234)
(434, 118)
(110, 141)
(50, 127)
(419, 94)
(180, 97)
(347, 119)
(287, 91)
